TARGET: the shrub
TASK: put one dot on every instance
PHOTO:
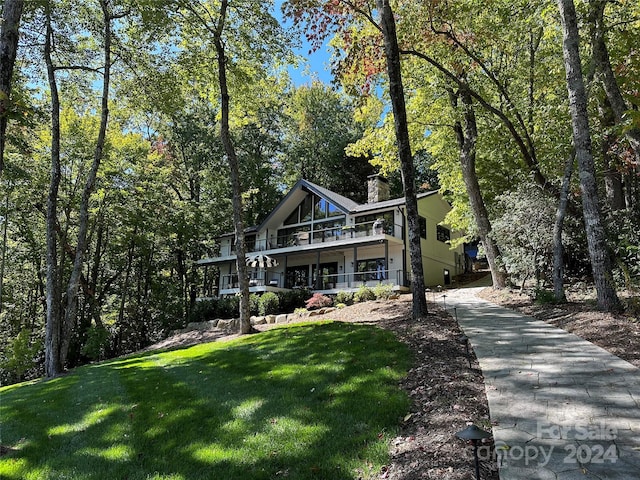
(268, 304)
(318, 301)
(364, 294)
(344, 297)
(293, 299)
(22, 354)
(543, 296)
(254, 304)
(383, 291)
(340, 305)
(98, 340)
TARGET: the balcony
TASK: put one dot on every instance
(343, 234)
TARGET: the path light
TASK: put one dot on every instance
(474, 434)
(463, 339)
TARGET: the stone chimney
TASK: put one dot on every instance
(377, 188)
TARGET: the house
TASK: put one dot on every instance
(326, 242)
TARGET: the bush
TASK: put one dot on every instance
(318, 301)
(543, 296)
(364, 294)
(344, 297)
(98, 340)
(383, 291)
(22, 355)
(268, 304)
(254, 304)
(293, 299)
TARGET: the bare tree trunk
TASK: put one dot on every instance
(3, 254)
(600, 259)
(232, 158)
(54, 364)
(81, 246)
(396, 91)
(11, 14)
(558, 249)
(467, 136)
(605, 74)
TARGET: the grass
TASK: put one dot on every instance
(313, 401)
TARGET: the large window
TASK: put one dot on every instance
(312, 214)
(365, 222)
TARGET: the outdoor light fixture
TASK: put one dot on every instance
(463, 339)
(474, 434)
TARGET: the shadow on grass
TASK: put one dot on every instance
(312, 401)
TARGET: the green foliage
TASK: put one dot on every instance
(225, 307)
(624, 240)
(245, 409)
(364, 294)
(97, 343)
(292, 299)
(318, 300)
(268, 304)
(544, 296)
(21, 355)
(344, 297)
(383, 291)
(254, 304)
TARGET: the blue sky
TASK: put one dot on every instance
(315, 64)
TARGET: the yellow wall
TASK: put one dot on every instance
(436, 255)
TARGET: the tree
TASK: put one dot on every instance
(467, 135)
(319, 125)
(396, 91)
(600, 259)
(232, 158)
(245, 39)
(11, 14)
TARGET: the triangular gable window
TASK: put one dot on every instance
(314, 205)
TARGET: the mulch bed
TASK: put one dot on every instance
(446, 396)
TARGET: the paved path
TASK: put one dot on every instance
(562, 407)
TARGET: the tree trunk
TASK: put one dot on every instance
(605, 74)
(467, 136)
(54, 364)
(81, 246)
(600, 259)
(11, 14)
(558, 249)
(396, 91)
(232, 158)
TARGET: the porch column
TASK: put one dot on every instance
(355, 266)
(318, 285)
(386, 259)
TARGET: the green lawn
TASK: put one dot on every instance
(313, 401)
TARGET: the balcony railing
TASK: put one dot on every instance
(341, 281)
(360, 230)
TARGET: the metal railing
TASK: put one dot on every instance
(360, 230)
(340, 281)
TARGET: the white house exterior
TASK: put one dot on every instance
(326, 242)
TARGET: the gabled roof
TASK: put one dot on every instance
(346, 205)
(396, 202)
(343, 203)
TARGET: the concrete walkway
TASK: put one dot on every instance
(562, 408)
